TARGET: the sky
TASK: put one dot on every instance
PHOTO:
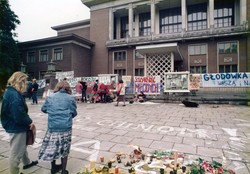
(38, 16)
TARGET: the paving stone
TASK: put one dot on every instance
(121, 147)
(217, 144)
(237, 156)
(173, 139)
(185, 148)
(204, 127)
(238, 167)
(210, 152)
(141, 142)
(152, 136)
(105, 137)
(135, 134)
(103, 130)
(193, 141)
(161, 145)
(104, 145)
(190, 126)
(121, 139)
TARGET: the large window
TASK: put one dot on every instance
(31, 57)
(121, 72)
(197, 49)
(139, 72)
(145, 24)
(120, 56)
(228, 68)
(124, 27)
(58, 54)
(197, 17)
(44, 56)
(227, 47)
(223, 13)
(170, 20)
(198, 69)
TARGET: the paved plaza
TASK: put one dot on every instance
(212, 132)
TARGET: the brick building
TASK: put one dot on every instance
(138, 37)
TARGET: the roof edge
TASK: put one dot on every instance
(71, 25)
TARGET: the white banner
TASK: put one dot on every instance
(226, 80)
(147, 84)
(177, 82)
(41, 83)
(62, 75)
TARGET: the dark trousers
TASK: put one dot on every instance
(103, 96)
(34, 97)
(84, 96)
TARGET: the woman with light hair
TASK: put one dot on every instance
(61, 109)
(16, 121)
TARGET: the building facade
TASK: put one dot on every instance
(150, 37)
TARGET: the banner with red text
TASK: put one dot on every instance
(147, 84)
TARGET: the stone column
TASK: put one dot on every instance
(243, 11)
(111, 24)
(136, 24)
(211, 14)
(118, 28)
(184, 15)
(153, 16)
(130, 19)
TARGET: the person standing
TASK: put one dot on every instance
(95, 91)
(121, 93)
(16, 121)
(78, 90)
(84, 91)
(61, 109)
(34, 91)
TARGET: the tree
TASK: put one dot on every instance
(9, 54)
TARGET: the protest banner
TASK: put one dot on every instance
(226, 80)
(176, 82)
(41, 83)
(147, 84)
(66, 74)
(194, 81)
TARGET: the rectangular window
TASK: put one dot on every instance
(139, 72)
(224, 13)
(198, 69)
(31, 57)
(197, 49)
(44, 56)
(124, 27)
(58, 54)
(120, 56)
(228, 47)
(170, 20)
(228, 68)
(145, 24)
(197, 17)
(121, 72)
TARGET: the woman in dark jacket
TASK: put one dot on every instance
(61, 109)
(16, 121)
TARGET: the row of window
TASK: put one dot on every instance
(222, 69)
(44, 55)
(171, 19)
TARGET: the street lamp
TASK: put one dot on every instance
(23, 68)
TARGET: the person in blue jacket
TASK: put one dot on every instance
(16, 121)
(61, 109)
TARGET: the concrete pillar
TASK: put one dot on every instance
(211, 14)
(184, 15)
(136, 24)
(111, 24)
(157, 21)
(153, 16)
(243, 11)
(118, 27)
(130, 20)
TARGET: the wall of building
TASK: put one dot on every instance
(81, 58)
(248, 38)
(99, 24)
(83, 32)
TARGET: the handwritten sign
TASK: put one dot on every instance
(41, 83)
(62, 75)
(195, 80)
(147, 84)
(226, 80)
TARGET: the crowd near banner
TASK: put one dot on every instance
(195, 81)
(147, 84)
(66, 74)
(176, 82)
(226, 80)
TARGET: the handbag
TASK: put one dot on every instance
(31, 136)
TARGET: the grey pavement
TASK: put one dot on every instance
(214, 133)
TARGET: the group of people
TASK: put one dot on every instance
(61, 109)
